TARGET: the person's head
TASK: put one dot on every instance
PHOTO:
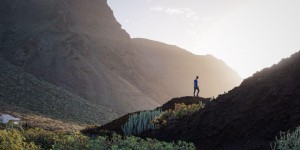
(197, 77)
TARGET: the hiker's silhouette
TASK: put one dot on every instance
(196, 86)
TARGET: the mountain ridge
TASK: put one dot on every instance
(80, 47)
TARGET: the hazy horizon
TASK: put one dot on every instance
(247, 35)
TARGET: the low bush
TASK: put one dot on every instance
(71, 142)
(45, 139)
(180, 111)
(36, 139)
(287, 141)
(14, 140)
(135, 143)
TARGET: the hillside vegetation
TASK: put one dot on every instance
(116, 125)
(39, 139)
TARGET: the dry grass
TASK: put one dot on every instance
(32, 120)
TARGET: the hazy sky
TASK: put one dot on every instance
(248, 35)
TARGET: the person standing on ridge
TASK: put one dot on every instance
(196, 87)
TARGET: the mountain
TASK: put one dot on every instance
(80, 47)
(23, 92)
(74, 44)
(173, 69)
(249, 116)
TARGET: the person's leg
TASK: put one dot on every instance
(194, 91)
(198, 91)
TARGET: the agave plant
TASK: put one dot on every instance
(287, 141)
(140, 122)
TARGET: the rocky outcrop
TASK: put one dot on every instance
(116, 125)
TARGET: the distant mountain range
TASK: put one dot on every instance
(73, 56)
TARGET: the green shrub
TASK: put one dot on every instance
(180, 111)
(12, 125)
(45, 139)
(71, 142)
(14, 140)
(287, 141)
(138, 123)
(135, 143)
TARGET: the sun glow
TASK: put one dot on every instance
(246, 35)
(250, 40)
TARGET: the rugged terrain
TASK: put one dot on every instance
(247, 117)
(116, 124)
(79, 46)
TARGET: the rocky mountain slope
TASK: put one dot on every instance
(23, 92)
(79, 46)
(74, 44)
(247, 117)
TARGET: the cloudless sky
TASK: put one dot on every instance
(248, 35)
